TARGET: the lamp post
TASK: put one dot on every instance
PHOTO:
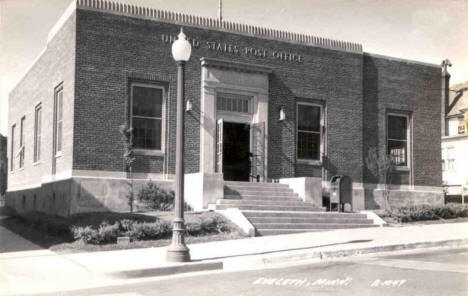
(178, 251)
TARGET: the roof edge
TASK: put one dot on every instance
(211, 23)
(402, 60)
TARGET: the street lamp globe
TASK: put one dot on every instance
(181, 48)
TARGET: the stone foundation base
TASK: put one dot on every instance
(92, 194)
(78, 195)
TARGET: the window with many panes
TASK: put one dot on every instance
(233, 102)
(37, 133)
(147, 103)
(309, 131)
(450, 159)
(397, 138)
(21, 143)
(58, 120)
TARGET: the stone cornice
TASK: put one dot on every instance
(216, 24)
(241, 67)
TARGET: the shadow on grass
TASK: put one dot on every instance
(45, 231)
(53, 232)
(18, 236)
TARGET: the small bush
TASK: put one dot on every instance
(155, 197)
(126, 225)
(147, 231)
(207, 224)
(108, 233)
(86, 234)
(425, 212)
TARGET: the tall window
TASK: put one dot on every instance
(308, 131)
(21, 143)
(146, 117)
(37, 133)
(12, 148)
(397, 139)
(58, 119)
(450, 159)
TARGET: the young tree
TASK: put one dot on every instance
(129, 158)
(381, 166)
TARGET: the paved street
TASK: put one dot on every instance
(435, 272)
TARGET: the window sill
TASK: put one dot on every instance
(402, 169)
(36, 163)
(309, 162)
(148, 152)
(58, 155)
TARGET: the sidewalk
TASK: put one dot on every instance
(45, 271)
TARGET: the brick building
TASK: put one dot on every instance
(455, 142)
(267, 104)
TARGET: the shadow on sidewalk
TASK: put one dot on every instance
(279, 251)
(16, 236)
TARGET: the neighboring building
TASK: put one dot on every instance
(455, 142)
(3, 168)
(108, 64)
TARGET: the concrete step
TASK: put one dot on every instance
(320, 214)
(264, 232)
(253, 190)
(301, 208)
(255, 184)
(262, 197)
(243, 202)
(255, 220)
(259, 193)
(261, 226)
(268, 196)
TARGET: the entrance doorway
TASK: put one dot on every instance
(236, 151)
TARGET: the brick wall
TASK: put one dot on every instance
(112, 50)
(396, 85)
(54, 66)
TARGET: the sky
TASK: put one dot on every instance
(421, 30)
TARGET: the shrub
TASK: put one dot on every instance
(155, 197)
(86, 234)
(425, 212)
(146, 231)
(108, 233)
(207, 224)
(126, 225)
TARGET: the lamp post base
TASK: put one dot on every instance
(178, 251)
(178, 254)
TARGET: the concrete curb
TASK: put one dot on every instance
(242, 262)
(176, 268)
(292, 256)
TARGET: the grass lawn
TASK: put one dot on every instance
(64, 244)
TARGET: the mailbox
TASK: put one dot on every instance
(340, 191)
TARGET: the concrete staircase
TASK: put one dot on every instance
(274, 208)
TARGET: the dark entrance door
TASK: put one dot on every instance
(236, 148)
